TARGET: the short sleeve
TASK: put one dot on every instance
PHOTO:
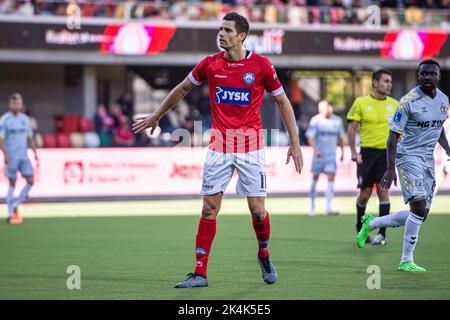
(2, 128)
(271, 82)
(311, 132)
(198, 74)
(400, 118)
(355, 112)
(29, 129)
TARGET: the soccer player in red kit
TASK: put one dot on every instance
(237, 80)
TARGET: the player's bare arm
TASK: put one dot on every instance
(312, 143)
(175, 96)
(32, 144)
(287, 115)
(352, 129)
(443, 142)
(3, 148)
(390, 175)
(341, 145)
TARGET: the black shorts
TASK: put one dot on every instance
(372, 168)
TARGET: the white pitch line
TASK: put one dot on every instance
(275, 206)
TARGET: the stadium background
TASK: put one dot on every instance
(68, 57)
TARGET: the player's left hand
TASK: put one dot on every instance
(296, 153)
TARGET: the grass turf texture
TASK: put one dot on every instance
(143, 257)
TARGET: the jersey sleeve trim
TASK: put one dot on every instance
(193, 80)
(277, 92)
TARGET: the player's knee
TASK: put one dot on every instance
(30, 181)
(419, 208)
(210, 208)
(258, 211)
(363, 198)
(12, 183)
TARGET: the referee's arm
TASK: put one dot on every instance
(352, 129)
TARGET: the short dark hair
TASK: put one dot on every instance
(429, 61)
(377, 74)
(15, 96)
(240, 22)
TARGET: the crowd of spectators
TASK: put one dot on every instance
(293, 12)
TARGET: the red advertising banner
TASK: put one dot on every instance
(161, 171)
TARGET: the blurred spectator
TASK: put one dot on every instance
(26, 8)
(294, 12)
(7, 6)
(123, 136)
(104, 125)
(116, 114)
(125, 102)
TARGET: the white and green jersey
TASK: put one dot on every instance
(15, 130)
(419, 119)
(326, 132)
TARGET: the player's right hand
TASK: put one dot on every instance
(357, 157)
(145, 122)
(317, 153)
(6, 159)
(388, 177)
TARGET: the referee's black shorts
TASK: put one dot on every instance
(372, 168)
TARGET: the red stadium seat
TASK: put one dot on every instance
(49, 140)
(86, 125)
(63, 140)
(67, 123)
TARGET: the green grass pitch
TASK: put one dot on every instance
(142, 257)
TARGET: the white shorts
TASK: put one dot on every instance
(323, 166)
(21, 165)
(219, 169)
(417, 181)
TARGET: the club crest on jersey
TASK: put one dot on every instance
(249, 78)
(238, 96)
(397, 117)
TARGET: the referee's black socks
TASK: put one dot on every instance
(384, 209)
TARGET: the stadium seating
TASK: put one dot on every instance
(91, 140)
(86, 125)
(77, 140)
(63, 140)
(67, 123)
(49, 140)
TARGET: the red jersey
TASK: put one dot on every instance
(236, 91)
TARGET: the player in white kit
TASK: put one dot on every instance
(324, 133)
(418, 120)
(16, 136)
